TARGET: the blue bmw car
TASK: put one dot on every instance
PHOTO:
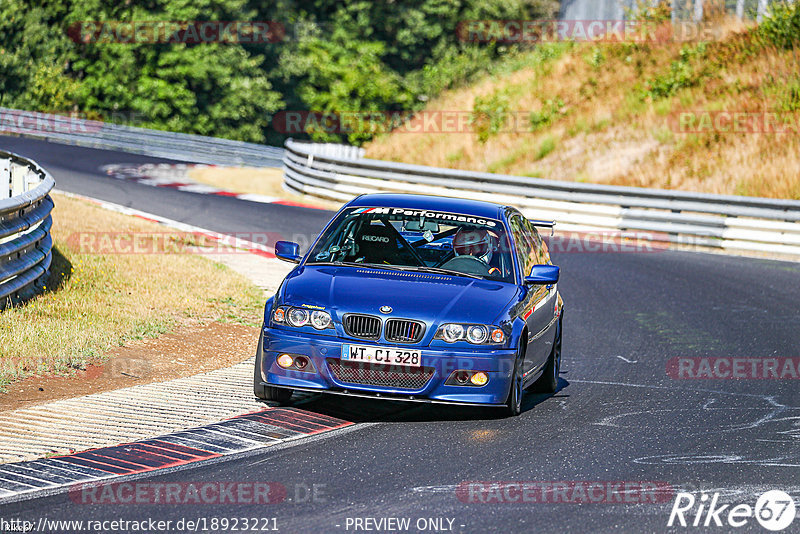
(416, 298)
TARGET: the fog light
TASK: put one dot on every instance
(285, 361)
(300, 362)
(462, 377)
(479, 379)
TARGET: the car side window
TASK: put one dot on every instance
(544, 250)
(539, 250)
(523, 243)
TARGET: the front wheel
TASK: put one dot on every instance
(548, 382)
(264, 392)
(514, 402)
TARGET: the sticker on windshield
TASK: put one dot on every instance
(436, 215)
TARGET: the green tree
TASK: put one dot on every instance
(33, 59)
(385, 56)
(341, 74)
(217, 89)
(351, 55)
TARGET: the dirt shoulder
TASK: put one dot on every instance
(189, 350)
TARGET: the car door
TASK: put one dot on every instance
(534, 312)
(547, 295)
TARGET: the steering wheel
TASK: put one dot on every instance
(467, 265)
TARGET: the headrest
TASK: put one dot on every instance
(376, 236)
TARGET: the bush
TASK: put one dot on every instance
(489, 115)
(781, 26)
(544, 117)
(681, 74)
(547, 146)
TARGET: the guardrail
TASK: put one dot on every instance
(105, 135)
(25, 221)
(678, 217)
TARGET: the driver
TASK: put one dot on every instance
(475, 242)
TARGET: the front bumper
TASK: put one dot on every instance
(326, 350)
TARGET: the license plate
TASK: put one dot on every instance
(383, 355)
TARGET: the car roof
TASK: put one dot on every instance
(461, 206)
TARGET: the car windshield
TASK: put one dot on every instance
(418, 240)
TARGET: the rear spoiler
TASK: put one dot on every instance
(544, 224)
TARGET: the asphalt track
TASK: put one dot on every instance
(76, 170)
(618, 415)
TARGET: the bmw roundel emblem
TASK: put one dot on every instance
(386, 309)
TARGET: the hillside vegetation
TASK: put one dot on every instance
(657, 114)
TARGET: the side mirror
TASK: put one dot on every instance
(543, 274)
(288, 251)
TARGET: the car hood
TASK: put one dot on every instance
(423, 296)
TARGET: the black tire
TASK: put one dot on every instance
(264, 392)
(548, 382)
(514, 401)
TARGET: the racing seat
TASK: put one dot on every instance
(377, 244)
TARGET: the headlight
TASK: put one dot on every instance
(452, 332)
(477, 334)
(298, 317)
(320, 319)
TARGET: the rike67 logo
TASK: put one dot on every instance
(774, 510)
